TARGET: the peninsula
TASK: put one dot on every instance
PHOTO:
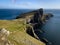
(22, 30)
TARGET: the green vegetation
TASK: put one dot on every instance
(18, 35)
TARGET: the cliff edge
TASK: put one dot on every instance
(18, 35)
(19, 29)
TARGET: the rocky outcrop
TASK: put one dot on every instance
(31, 32)
(23, 15)
(46, 17)
(36, 22)
(4, 32)
(4, 37)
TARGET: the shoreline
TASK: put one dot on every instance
(30, 23)
(43, 19)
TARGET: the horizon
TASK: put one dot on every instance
(29, 4)
(29, 9)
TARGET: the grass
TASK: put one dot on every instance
(19, 35)
(12, 25)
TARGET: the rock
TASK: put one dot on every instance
(37, 21)
(35, 17)
(31, 32)
(4, 37)
(28, 21)
(4, 32)
(41, 12)
(45, 17)
(51, 15)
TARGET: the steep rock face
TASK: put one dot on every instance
(31, 32)
(37, 19)
(16, 33)
(36, 22)
(23, 15)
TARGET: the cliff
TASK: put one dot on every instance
(35, 21)
(22, 29)
(18, 35)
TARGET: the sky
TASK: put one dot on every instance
(30, 4)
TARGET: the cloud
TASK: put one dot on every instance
(30, 4)
(24, 3)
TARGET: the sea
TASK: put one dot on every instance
(51, 27)
(10, 14)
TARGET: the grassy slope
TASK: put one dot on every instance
(19, 35)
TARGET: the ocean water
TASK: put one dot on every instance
(11, 13)
(52, 27)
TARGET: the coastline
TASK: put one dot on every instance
(31, 25)
(21, 27)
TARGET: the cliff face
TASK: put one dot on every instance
(23, 30)
(17, 35)
(36, 15)
(35, 21)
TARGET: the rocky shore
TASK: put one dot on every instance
(35, 20)
(25, 29)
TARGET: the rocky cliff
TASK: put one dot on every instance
(23, 30)
(13, 32)
(35, 21)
